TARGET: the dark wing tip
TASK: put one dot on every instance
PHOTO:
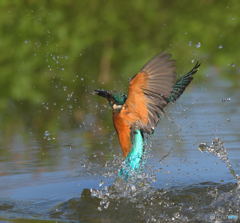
(193, 70)
(196, 67)
(182, 83)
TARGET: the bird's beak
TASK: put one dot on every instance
(96, 92)
(102, 93)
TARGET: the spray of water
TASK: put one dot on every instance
(217, 149)
(138, 184)
(230, 212)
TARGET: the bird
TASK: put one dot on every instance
(137, 114)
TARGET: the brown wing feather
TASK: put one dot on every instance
(148, 90)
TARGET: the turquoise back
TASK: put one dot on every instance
(132, 162)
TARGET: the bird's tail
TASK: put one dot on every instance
(182, 83)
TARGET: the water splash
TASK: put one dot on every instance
(141, 202)
(225, 204)
(137, 184)
(121, 189)
(138, 201)
(196, 203)
(221, 205)
(217, 149)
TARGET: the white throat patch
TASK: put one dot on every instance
(117, 107)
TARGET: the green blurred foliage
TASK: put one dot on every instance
(53, 53)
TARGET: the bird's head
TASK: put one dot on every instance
(116, 100)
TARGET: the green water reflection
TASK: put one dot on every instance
(56, 52)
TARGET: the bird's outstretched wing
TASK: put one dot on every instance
(148, 92)
(182, 83)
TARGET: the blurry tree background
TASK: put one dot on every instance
(54, 53)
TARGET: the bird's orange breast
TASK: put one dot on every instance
(133, 114)
(124, 132)
(122, 123)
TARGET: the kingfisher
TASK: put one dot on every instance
(137, 114)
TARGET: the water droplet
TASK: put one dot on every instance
(198, 45)
(47, 136)
(99, 209)
(101, 183)
(133, 188)
(69, 96)
(26, 41)
(212, 217)
(106, 205)
(220, 46)
(226, 99)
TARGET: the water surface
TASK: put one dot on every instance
(70, 176)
